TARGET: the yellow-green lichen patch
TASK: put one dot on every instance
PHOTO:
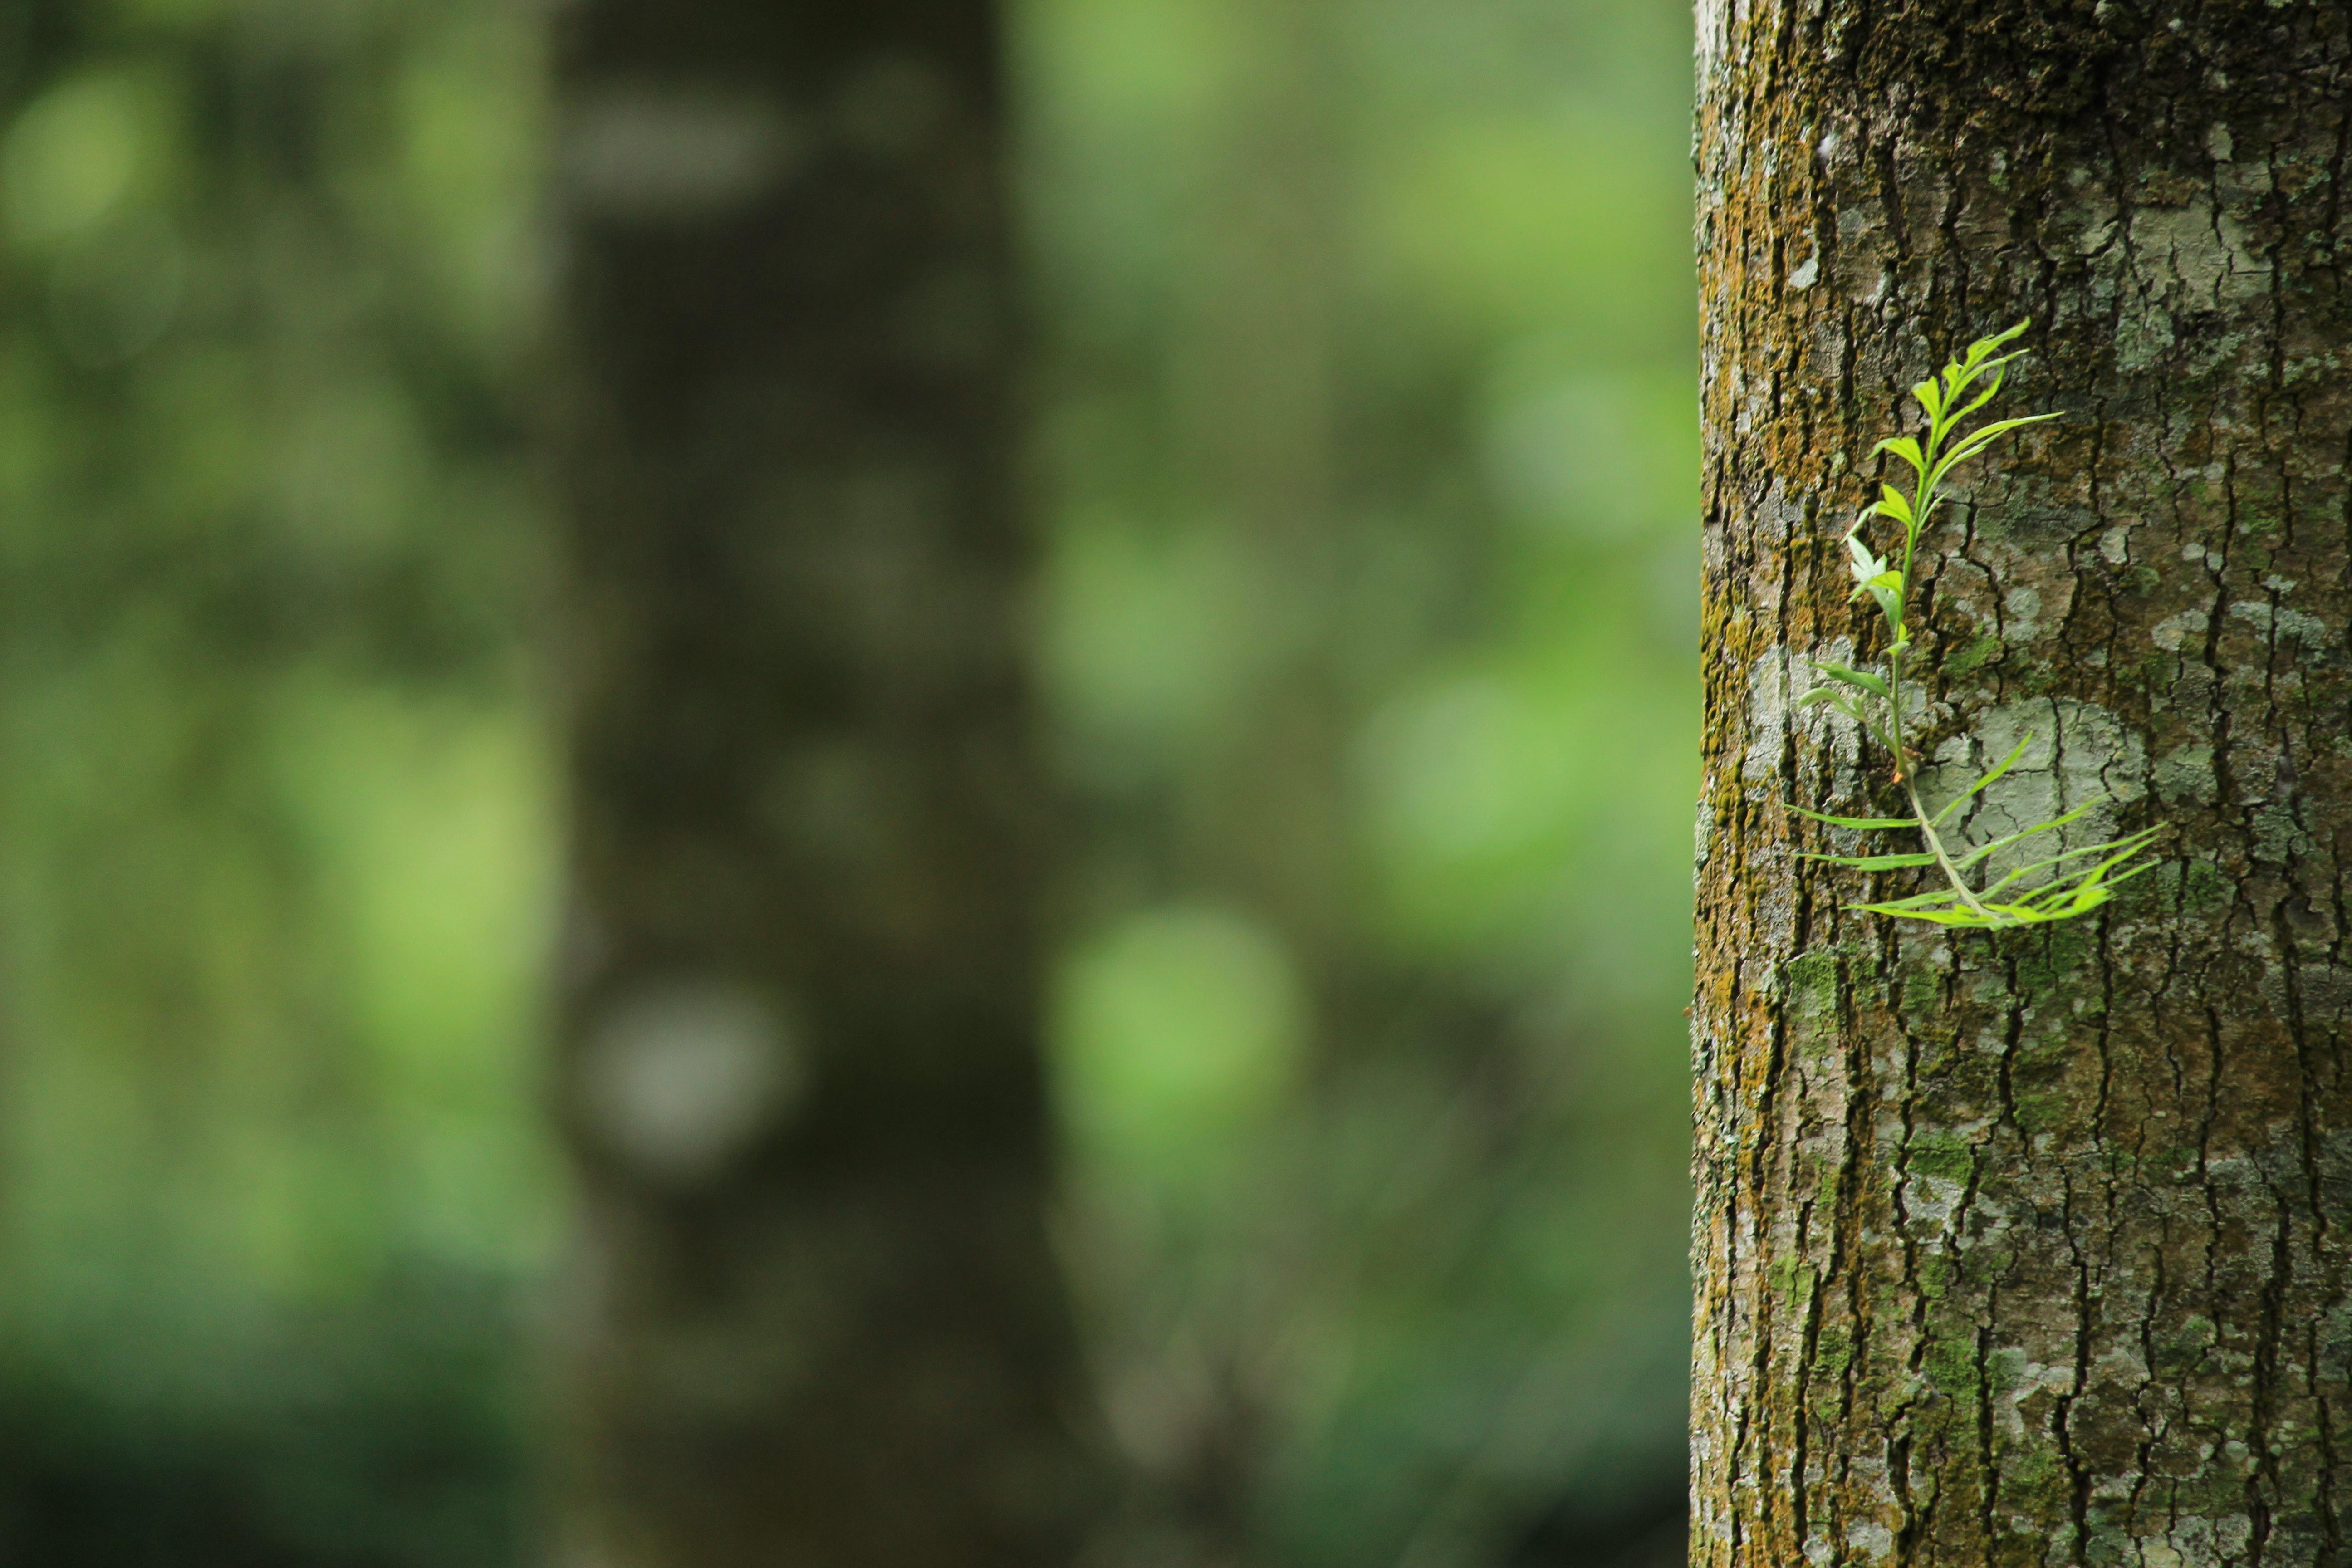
(1940, 1154)
(1980, 651)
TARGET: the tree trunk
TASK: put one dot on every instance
(2031, 1247)
(816, 1320)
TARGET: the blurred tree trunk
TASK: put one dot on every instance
(2032, 1249)
(817, 1318)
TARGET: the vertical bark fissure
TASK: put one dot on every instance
(2078, 1473)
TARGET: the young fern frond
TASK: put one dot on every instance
(1874, 703)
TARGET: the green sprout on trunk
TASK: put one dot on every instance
(2069, 884)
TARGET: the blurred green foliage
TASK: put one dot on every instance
(275, 843)
(1369, 446)
(1365, 463)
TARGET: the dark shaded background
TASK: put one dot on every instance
(1363, 445)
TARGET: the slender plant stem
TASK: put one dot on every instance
(1924, 503)
(1895, 716)
(1943, 857)
(1907, 775)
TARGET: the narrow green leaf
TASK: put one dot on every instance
(2097, 875)
(1984, 346)
(2142, 869)
(1963, 376)
(1865, 564)
(2126, 846)
(1968, 446)
(1842, 701)
(1905, 448)
(1861, 677)
(1960, 917)
(1874, 862)
(1894, 503)
(2077, 902)
(2018, 915)
(2016, 332)
(1999, 375)
(1887, 589)
(1935, 898)
(1860, 824)
(1976, 440)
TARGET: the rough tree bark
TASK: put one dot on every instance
(815, 1319)
(2032, 1249)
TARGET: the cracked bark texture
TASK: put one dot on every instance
(814, 1317)
(2031, 1248)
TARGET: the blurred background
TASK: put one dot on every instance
(1363, 453)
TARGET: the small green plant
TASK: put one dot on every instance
(2066, 886)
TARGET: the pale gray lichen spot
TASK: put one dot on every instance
(682, 1077)
(2277, 623)
(2021, 614)
(2187, 773)
(1710, 35)
(1871, 1539)
(1807, 273)
(1838, 736)
(2278, 836)
(1767, 716)
(2094, 225)
(1932, 1201)
(654, 153)
(2079, 753)
(1822, 725)
(2020, 1379)
(2209, 255)
(2143, 330)
(2245, 274)
(2170, 633)
(2116, 545)
(2196, 1542)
